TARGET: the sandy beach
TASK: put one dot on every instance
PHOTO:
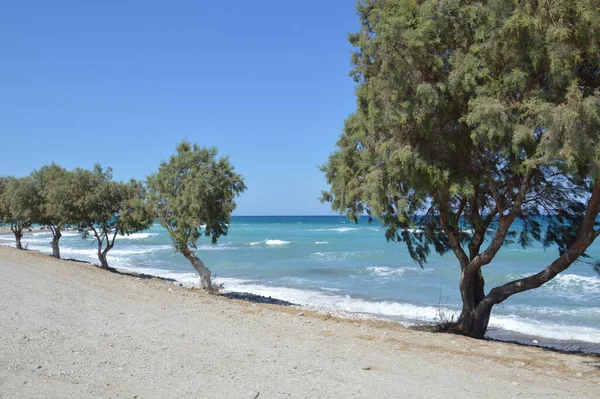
(71, 330)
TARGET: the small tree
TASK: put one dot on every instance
(193, 194)
(53, 211)
(471, 116)
(104, 208)
(18, 205)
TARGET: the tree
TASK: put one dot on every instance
(53, 211)
(104, 208)
(193, 194)
(471, 116)
(18, 199)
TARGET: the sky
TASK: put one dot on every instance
(122, 82)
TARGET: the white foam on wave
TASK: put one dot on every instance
(63, 233)
(556, 312)
(139, 250)
(71, 234)
(323, 300)
(385, 271)
(190, 279)
(589, 284)
(270, 242)
(321, 242)
(339, 229)
(139, 236)
(215, 247)
(336, 256)
(276, 242)
(347, 229)
(546, 329)
(182, 277)
(571, 286)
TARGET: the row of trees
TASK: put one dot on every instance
(190, 195)
(472, 115)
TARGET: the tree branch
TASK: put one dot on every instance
(585, 239)
(505, 222)
(454, 238)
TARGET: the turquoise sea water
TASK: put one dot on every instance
(329, 262)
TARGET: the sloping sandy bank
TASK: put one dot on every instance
(72, 330)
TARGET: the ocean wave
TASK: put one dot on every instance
(139, 250)
(270, 242)
(64, 233)
(339, 229)
(215, 247)
(546, 329)
(182, 277)
(385, 271)
(570, 286)
(321, 242)
(336, 256)
(324, 300)
(554, 312)
(347, 229)
(138, 236)
(589, 284)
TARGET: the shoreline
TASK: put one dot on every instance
(493, 334)
(73, 330)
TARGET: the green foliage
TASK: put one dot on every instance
(460, 104)
(18, 202)
(193, 194)
(3, 209)
(52, 184)
(104, 208)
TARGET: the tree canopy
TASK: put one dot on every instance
(193, 194)
(104, 208)
(18, 205)
(52, 185)
(471, 115)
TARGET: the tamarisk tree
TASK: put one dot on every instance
(193, 194)
(18, 199)
(104, 208)
(52, 208)
(472, 115)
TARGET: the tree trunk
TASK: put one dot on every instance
(18, 236)
(474, 318)
(102, 256)
(55, 239)
(205, 276)
(103, 261)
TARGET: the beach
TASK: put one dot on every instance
(72, 330)
(328, 263)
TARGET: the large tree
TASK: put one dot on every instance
(104, 208)
(53, 209)
(472, 115)
(194, 194)
(18, 199)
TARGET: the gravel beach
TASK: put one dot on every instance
(72, 330)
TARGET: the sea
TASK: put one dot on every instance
(331, 264)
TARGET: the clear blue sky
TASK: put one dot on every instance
(121, 82)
